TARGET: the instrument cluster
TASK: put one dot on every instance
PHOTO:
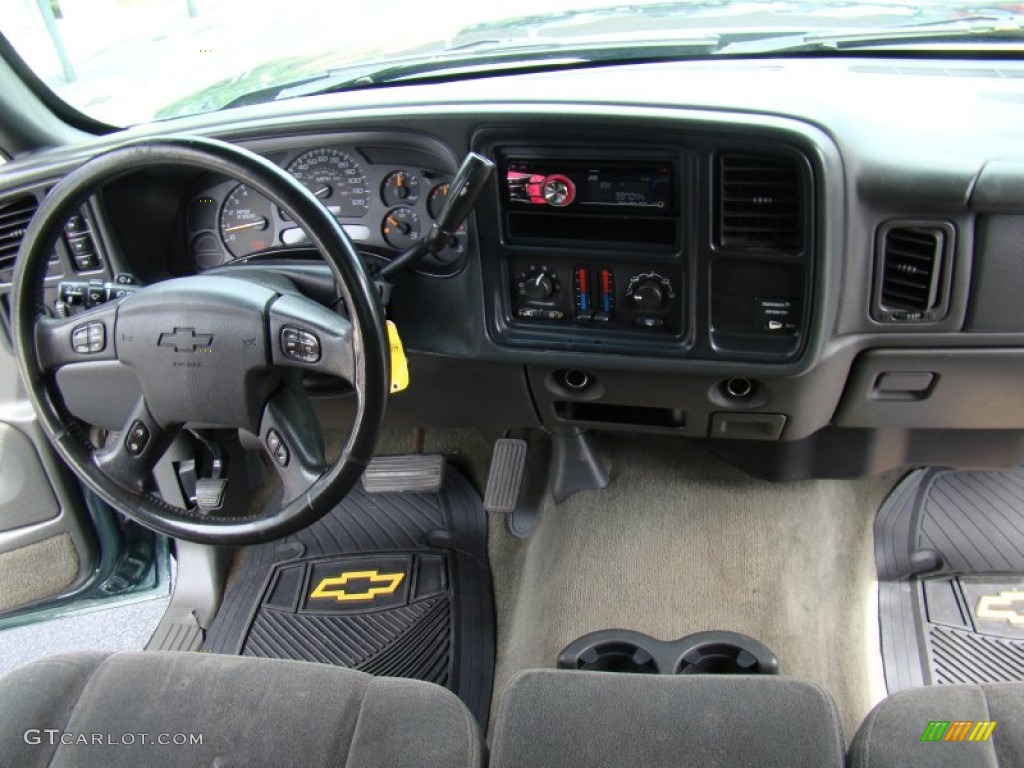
(384, 209)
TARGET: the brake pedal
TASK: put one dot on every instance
(409, 473)
(505, 480)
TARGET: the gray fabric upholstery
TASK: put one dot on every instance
(891, 733)
(603, 720)
(249, 712)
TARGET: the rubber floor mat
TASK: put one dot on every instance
(949, 547)
(392, 584)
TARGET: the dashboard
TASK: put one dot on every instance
(771, 257)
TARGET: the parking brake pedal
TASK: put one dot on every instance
(508, 465)
(411, 473)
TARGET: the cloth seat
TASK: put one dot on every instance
(894, 732)
(245, 711)
(558, 718)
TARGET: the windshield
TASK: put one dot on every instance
(131, 61)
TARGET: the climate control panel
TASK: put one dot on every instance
(598, 294)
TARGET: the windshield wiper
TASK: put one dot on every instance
(486, 57)
(987, 28)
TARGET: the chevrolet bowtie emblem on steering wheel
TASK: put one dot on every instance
(186, 340)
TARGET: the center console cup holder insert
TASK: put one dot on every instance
(611, 650)
(623, 650)
(725, 653)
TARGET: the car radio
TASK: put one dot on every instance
(590, 186)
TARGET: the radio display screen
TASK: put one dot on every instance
(647, 189)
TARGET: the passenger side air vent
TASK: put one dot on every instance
(912, 266)
(759, 202)
(14, 218)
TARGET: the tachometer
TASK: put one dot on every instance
(246, 222)
(336, 178)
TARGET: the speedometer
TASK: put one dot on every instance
(336, 178)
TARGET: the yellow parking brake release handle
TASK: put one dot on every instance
(399, 364)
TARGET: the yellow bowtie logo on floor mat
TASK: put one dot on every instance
(335, 586)
(1001, 607)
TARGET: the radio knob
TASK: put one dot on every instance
(558, 190)
(539, 286)
(648, 294)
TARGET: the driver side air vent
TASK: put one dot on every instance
(759, 202)
(912, 265)
(14, 218)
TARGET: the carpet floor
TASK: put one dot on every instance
(681, 542)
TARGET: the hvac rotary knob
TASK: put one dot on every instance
(648, 294)
(539, 286)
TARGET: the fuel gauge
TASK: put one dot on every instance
(401, 187)
(401, 227)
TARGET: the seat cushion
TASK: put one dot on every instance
(894, 732)
(589, 719)
(111, 710)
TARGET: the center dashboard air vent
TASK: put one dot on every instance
(912, 269)
(15, 216)
(759, 202)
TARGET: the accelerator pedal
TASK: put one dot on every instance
(504, 481)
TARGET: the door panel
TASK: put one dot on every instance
(47, 544)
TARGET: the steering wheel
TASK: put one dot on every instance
(209, 351)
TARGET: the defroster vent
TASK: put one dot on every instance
(759, 202)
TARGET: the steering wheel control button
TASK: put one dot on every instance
(300, 345)
(277, 448)
(137, 439)
(89, 338)
(80, 340)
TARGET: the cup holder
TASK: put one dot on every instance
(617, 657)
(611, 650)
(702, 653)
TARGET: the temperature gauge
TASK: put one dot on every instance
(401, 227)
